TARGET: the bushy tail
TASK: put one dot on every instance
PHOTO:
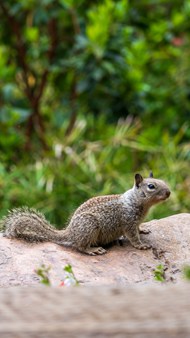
(29, 224)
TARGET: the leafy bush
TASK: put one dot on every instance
(97, 158)
(92, 92)
(60, 59)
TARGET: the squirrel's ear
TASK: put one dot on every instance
(138, 180)
(151, 174)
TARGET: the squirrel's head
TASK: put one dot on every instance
(151, 189)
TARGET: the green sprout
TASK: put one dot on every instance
(159, 274)
(69, 279)
(186, 272)
(43, 273)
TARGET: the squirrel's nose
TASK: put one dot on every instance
(168, 192)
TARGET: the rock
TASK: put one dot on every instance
(121, 265)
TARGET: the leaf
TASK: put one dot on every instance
(32, 34)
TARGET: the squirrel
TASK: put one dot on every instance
(97, 222)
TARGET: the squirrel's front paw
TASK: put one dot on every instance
(144, 231)
(142, 246)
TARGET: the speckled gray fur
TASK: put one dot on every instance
(97, 222)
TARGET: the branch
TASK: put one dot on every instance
(75, 21)
(73, 100)
(52, 30)
(73, 97)
(20, 48)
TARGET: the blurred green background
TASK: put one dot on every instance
(92, 92)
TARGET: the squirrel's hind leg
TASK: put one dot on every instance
(84, 232)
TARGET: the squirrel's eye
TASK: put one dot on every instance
(151, 186)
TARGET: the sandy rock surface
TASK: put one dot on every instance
(121, 265)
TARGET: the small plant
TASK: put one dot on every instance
(68, 280)
(186, 272)
(159, 273)
(43, 273)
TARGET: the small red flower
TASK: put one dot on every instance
(62, 284)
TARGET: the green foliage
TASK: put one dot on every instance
(91, 92)
(110, 57)
(186, 272)
(159, 274)
(95, 159)
(69, 278)
(43, 273)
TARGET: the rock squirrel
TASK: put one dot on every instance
(97, 222)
